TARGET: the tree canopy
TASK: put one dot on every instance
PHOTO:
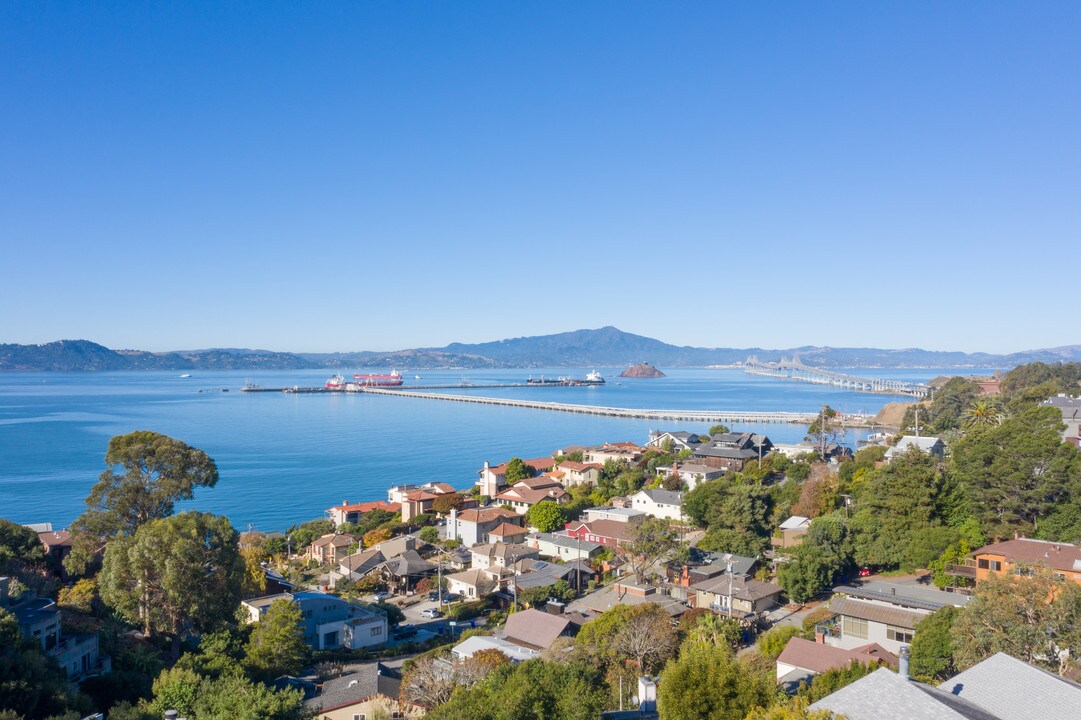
(277, 646)
(148, 474)
(174, 575)
(546, 516)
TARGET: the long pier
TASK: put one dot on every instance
(710, 416)
(795, 370)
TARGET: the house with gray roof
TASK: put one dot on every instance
(999, 688)
(561, 546)
(662, 504)
(368, 691)
(676, 440)
(741, 595)
(730, 451)
(1070, 407)
(932, 446)
(882, 613)
(329, 622)
(691, 474)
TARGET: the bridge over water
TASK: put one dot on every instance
(703, 416)
(793, 369)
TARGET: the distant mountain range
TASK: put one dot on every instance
(605, 347)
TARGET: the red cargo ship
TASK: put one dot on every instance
(392, 380)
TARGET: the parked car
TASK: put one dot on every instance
(430, 613)
(404, 630)
(381, 596)
(451, 597)
(865, 572)
(433, 597)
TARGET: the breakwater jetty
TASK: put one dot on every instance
(711, 416)
(795, 370)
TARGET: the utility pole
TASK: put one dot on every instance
(578, 563)
(730, 578)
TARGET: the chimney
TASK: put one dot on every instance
(1016, 535)
(345, 502)
(902, 662)
(647, 694)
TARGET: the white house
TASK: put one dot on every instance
(473, 526)
(692, 474)
(927, 445)
(880, 613)
(561, 546)
(663, 504)
(617, 514)
(516, 653)
(476, 583)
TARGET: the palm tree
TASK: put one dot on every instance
(984, 413)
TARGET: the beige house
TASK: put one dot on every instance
(476, 583)
(740, 594)
(577, 473)
(790, 533)
(331, 548)
(527, 493)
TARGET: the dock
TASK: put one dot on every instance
(793, 369)
(703, 416)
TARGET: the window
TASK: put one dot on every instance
(377, 630)
(854, 627)
(985, 564)
(902, 635)
(358, 717)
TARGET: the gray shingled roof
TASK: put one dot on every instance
(898, 617)
(665, 497)
(366, 681)
(885, 695)
(1016, 690)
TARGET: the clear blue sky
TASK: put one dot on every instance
(345, 176)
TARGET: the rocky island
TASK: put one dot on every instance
(642, 370)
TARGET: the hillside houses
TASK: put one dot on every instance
(731, 451)
(1003, 557)
(527, 493)
(329, 622)
(472, 526)
(932, 446)
(663, 504)
(352, 512)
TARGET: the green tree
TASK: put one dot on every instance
(1034, 616)
(30, 681)
(931, 657)
(984, 412)
(429, 535)
(794, 709)
(903, 501)
(1018, 472)
(546, 516)
(155, 472)
(534, 690)
(718, 429)
(229, 697)
(20, 548)
(825, 429)
(517, 470)
(653, 543)
(707, 681)
(277, 646)
(175, 575)
(773, 641)
(809, 572)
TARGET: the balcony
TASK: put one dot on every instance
(965, 570)
(829, 629)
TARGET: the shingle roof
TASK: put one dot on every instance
(819, 657)
(664, 497)
(876, 613)
(534, 628)
(614, 529)
(362, 562)
(357, 686)
(364, 507)
(885, 695)
(795, 522)
(507, 530)
(743, 588)
(337, 540)
(479, 515)
(1016, 690)
(408, 564)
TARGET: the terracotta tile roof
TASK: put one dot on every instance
(444, 487)
(578, 466)
(420, 496)
(337, 540)
(543, 463)
(479, 515)
(544, 481)
(819, 657)
(1058, 556)
(368, 507)
(507, 530)
(532, 496)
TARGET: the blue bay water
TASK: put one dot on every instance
(286, 458)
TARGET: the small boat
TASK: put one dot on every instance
(416, 377)
(186, 375)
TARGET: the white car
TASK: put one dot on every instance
(381, 596)
(430, 613)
